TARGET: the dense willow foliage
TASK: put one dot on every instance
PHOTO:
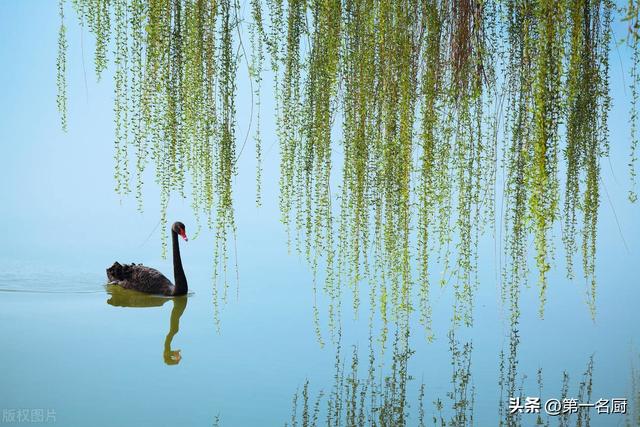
(418, 101)
(419, 90)
(405, 81)
(556, 74)
(174, 88)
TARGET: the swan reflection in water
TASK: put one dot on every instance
(120, 297)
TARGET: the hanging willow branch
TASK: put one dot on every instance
(416, 88)
(61, 65)
(587, 133)
(632, 17)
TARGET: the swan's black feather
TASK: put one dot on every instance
(139, 278)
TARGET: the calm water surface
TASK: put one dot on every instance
(101, 356)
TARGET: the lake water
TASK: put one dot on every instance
(82, 353)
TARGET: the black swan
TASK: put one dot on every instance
(149, 280)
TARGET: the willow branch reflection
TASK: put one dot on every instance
(385, 395)
(378, 399)
(119, 297)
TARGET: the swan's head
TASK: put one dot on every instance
(180, 229)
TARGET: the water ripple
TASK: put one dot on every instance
(40, 280)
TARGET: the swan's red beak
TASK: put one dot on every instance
(183, 234)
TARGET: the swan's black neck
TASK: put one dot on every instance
(180, 279)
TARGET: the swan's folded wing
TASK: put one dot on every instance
(140, 278)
